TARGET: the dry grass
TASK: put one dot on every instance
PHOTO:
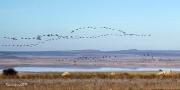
(91, 75)
(93, 81)
(99, 84)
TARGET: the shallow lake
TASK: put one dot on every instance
(61, 68)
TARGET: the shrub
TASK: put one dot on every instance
(10, 72)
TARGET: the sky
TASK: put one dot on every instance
(160, 18)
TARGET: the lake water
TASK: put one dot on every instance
(61, 68)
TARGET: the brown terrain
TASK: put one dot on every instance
(93, 60)
(92, 81)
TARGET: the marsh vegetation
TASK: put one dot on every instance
(124, 80)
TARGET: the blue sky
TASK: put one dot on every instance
(161, 18)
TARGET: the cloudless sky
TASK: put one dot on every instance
(161, 18)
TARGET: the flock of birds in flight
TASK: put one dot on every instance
(41, 39)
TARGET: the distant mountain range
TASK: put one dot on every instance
(93, 52)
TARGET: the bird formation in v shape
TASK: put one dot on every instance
(73, 34)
